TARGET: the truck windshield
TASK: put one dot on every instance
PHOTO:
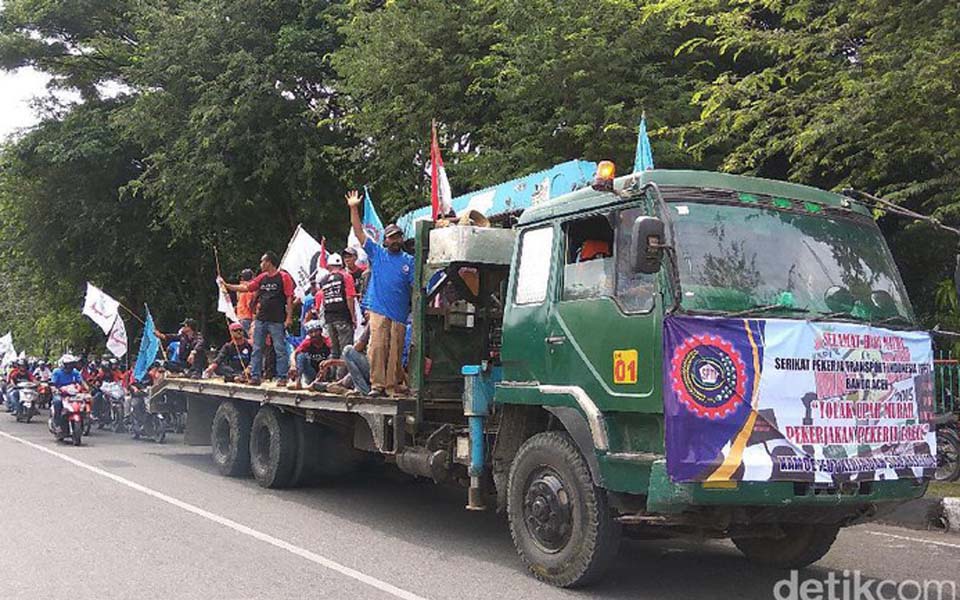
(744, 258)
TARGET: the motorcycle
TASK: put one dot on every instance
(948, 449)
(44, 395)
(29, 397)
(112, 406)
(144, 423)
(75, 416)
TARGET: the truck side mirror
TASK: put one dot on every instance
(646, 246)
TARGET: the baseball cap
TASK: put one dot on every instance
(191, 323)
(236, 327)
(392, 229)
(350, 251)
(334, 260)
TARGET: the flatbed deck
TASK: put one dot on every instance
(269, 394)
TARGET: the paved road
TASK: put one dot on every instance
(123, 519)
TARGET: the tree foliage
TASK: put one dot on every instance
(224, 123)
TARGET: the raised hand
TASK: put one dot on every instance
(353, 198)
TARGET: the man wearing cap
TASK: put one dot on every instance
(274, 315)
(191, 350)
(387, 301)
(234, 356)
(355, 269)
(338, 296)
(313, 350)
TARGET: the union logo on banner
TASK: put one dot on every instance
(708, 376)
(373, 233)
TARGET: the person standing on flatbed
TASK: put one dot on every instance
(274, 315)
(387, 301)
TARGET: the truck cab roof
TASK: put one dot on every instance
(587, 199)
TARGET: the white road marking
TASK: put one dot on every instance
(913, 539)
(259, 535)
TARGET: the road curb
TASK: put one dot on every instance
(924, 514)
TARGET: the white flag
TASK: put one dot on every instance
(302, 260)
(101, 308)
(117, 338)
(8, 353)
(6, 344)
(225, 306)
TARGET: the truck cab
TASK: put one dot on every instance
(684, 352)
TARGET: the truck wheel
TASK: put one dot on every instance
(273, 448)
(801, 545)
(560, 522)
(230, 439)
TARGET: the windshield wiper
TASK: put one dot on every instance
(768, 308)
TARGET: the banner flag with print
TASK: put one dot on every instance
(117, 338)
(101, 308)
(302, 260)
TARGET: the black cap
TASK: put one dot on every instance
(392, 229)
(246, 275)
(191, 323)
(350, 251)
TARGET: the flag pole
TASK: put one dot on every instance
(216, 258)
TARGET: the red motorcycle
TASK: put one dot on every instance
(75, 416)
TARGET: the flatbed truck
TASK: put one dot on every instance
(669, 353)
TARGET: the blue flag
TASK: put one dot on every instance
(149, 346)
(372, 225)
(644, 158)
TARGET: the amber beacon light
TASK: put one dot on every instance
(603, 180)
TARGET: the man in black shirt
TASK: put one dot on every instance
(234, 356)
(338, 295)
(191, 352)
(274, 315)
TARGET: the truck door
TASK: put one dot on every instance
(525, 322)
(603, 332)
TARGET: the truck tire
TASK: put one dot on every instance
(802, 544)
(230, 440)
(273, 448)
(308, 452)
(560, 522)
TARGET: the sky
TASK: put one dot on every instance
(17, 89)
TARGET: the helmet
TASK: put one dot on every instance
(68, 358)
(334, 260)
(312, 325)
(22, 362)
(114, 363)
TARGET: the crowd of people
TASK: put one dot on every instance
(354, 330)
(354, 323)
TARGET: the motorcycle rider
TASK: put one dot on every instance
(43, 372)
(62, 377)
(19, 372)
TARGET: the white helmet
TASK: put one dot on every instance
(68, 358)
(334, 260)
(312, 325)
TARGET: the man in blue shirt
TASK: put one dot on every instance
(387, 301)
(62, 377)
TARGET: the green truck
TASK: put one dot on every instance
(666, 353)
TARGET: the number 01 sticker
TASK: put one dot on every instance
(625, 366)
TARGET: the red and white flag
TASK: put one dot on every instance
(117, 339)
(440, 196)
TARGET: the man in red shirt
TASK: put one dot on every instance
(274, 315)
(313, 350)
